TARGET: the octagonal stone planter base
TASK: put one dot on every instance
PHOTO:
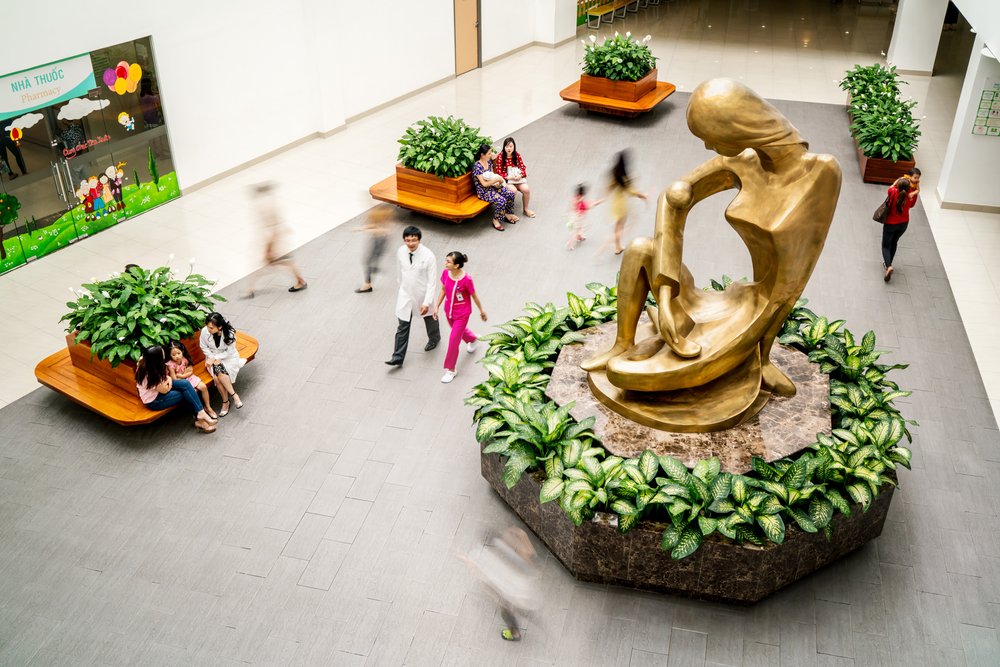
(720, 570)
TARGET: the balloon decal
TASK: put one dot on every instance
(16, 134)
(124, 78)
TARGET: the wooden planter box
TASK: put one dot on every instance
(123, 375)
(443, 188)
(879, 170)
(876, 169)
(628, 91)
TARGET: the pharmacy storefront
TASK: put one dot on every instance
(83, 146)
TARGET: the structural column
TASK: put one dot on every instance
(969, 173)
(915, 35)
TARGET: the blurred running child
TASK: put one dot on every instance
(578, 216)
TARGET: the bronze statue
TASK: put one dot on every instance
(710, 351)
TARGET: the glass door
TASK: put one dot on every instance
(93, 156)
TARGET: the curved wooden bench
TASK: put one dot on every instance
(109, 399)
(613, 107)
(457, 212)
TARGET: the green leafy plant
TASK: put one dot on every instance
(130, 311)
(619, 58)
(9, 206)
(851, 465)
(881, 122)
(154, 173)
(441, 146)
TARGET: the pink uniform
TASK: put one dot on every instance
(458, 309)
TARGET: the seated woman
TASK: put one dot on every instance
(783, 210)
(491, 188)
(510, 166)
(218, 344)
(158, 392)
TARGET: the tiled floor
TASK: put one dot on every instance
(784, 50)
(318, 525)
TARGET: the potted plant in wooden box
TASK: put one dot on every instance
(436, 156)
(882, 124)
(619, 68)
(113, 320)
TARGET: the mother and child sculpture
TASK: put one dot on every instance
(703, 361)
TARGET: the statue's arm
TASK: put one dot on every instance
(701, 182)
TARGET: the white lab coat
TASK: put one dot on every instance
(417, 281)
(226, 354)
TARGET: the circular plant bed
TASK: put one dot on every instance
(787, 517)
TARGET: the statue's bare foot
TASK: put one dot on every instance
(600, 362)
(776, 382)
(685, 348)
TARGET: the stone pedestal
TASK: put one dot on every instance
(720, 570)
(781, 428)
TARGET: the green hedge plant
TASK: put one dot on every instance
(619, 58)
(441, 146)
(130, 311)
(836, 473)
(881, 122)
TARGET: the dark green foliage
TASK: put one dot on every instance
(851, 465)
(882, 123)
(130, 311)
(441, 146)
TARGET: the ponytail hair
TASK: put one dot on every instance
(228, 332)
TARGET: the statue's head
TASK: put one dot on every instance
(729, 117)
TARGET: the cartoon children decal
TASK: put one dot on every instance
(126, 121)
(116, 178)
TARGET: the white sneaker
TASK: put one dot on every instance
(448, 376)
(471, 347)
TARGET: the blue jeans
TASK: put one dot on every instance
(182, 391)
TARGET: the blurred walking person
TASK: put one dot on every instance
(275, 239)
(508, 568)
(377, 226)
(619, 190)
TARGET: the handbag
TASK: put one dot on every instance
(882, 212)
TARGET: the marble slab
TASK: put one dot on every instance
(783, 427)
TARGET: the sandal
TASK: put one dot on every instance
(510, 635)
(225, 408)
(237, 402)
(498, 227)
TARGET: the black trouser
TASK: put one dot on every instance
(375, 251)
(890, 238)
(6, 143)
(403, 336)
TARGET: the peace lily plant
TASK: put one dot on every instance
(619, 58)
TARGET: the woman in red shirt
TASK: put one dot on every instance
(508, 158)
(902, 196)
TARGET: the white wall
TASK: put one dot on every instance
(969, 173)
(227, 79)
(239, 80)
(391, 48)
(916, 34)
(510, 24)
(984, 16)
(506, 25)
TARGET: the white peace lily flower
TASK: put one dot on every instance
(628, 34)
(646, 38)
(170, 258)
(72, 291)
(593, 40)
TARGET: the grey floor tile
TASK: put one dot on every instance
(687, 648)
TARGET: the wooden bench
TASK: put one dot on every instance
(456, 212)
(108, 399)
(613, 107)
(610, 10)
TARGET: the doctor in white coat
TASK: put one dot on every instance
(417, 286)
